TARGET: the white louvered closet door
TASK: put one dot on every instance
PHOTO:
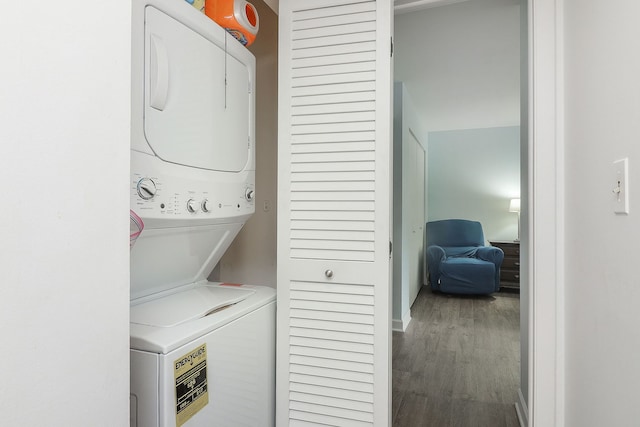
(334, 208)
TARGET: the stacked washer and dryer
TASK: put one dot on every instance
(202, 353)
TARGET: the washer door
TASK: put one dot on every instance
(187, 305)
(197, 96)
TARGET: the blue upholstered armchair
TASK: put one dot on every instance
(457, 260)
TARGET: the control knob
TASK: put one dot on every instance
(147, 188)
(193, 206)
(206, 205)
(249, 194)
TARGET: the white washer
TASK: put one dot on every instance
(202, 353)
(233, 385)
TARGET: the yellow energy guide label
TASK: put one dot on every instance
(190, 372)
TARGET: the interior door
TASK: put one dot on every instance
(334, 295)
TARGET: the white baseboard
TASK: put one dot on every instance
(401, 325)
(522, 411)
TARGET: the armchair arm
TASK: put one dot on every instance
(491, 254)
(434, 255)
(494, 255)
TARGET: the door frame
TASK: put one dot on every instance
(545, 227)
(544, 217)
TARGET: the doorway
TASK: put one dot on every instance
(465, 106)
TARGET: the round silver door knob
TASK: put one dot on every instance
(329, 274)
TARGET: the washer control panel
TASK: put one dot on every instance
(155, 196)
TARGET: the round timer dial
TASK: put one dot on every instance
(193, 206)
(147, 188)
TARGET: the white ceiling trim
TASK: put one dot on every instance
(412, 6)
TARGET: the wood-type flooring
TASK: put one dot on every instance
(458, 362)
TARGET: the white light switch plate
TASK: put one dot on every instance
(620, 187)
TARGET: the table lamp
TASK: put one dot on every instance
(514, 206)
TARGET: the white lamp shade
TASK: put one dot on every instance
(514, 205)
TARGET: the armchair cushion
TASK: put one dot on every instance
(467, 276)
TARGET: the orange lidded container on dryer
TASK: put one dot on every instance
(238, 17)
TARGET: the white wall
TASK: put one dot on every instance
(405, 120)
(461, 63)
(602, 63)
(64, 167)
(252, 256)
(473, 174)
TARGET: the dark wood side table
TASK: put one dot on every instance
(510, 270)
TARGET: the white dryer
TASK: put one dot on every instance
(202, 354)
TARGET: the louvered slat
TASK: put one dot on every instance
(357, 236)
(315, 10)
(335, 287)
(334, 186)
(346, 388)
(362, 148)
(334, 335)
(341, 365)
(308, 381)
(355, 216)
(353, 67)
(332, 195)
(333, 117)
(329, 316)
(332, 401)
(313, 295)
(331, 325)
(331, 225)
(365, 15)
(342, 176)
(332, 59)
(302, 419)
(333, 137)
(335, 35)
(313, 344)
(333, 306)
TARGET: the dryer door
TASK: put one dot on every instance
(194, 114)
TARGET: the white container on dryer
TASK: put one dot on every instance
(202, 354)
